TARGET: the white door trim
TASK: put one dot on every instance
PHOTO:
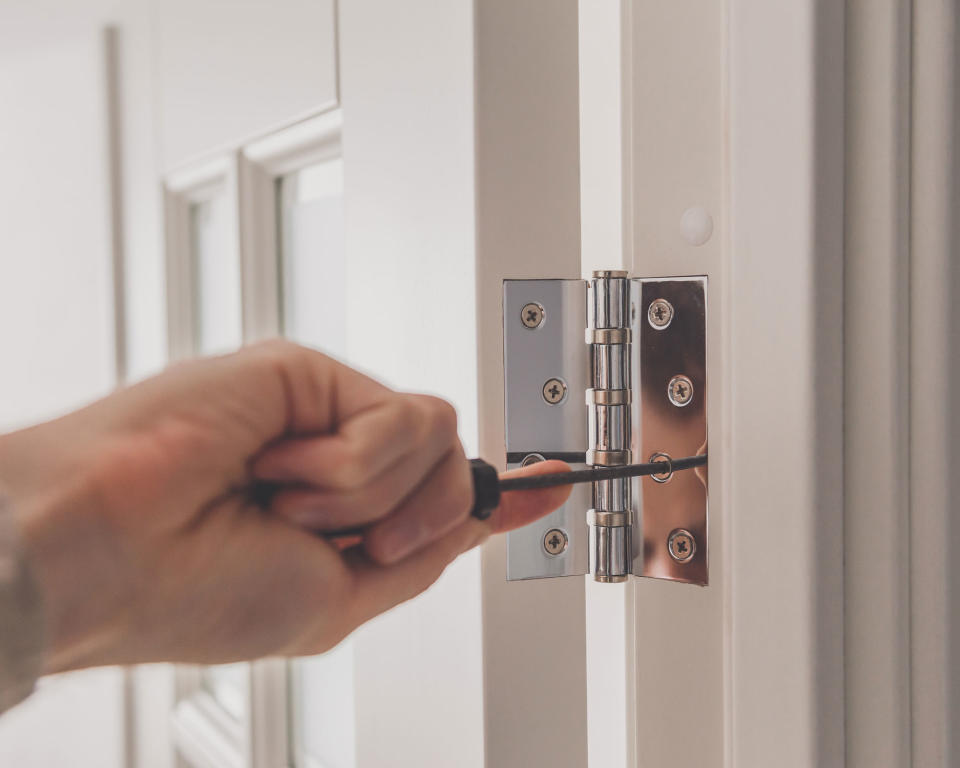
(527, 225)
(738, 108)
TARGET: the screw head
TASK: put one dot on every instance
(681, 545)
(531, 458)
(667, 474)
(554, 391)
(660, 314)
(680, 390)
(555, 542)
(532, 315)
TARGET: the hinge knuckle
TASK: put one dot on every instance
(609, 422)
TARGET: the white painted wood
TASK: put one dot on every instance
(747, 671)
(605, 224)
(876, 393)
(528, 225)
(934, 389)
(674, 159)
(205, 735)
(227, 69)
(408, 126)
(214, 177)
(784, 441)
(263, 162)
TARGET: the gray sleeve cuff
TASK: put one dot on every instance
(21, 618)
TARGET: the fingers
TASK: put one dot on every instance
(519, 508)
(318, 392)
(378, 587)
(437, 506)
(361, 448)
(366, 468)
(331, 510)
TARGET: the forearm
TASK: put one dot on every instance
(21, 616)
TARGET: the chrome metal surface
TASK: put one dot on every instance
(554, 391)
(608, 458)
(667, 474)
(610, 366)
(681, 545)
(660, 314)
(608, 336)
(608, 302)
(612, 495)
(609, 397)
(555, 542)
(610, 552)
(532, 426)
(532, 458)
(531, 315)
(680, 391)
(643, 375)
(661, 427)
(609, 519)
(609, 425)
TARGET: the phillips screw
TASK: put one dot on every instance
(660, 314)
(554, 542)
(681, 545)
(531, 315)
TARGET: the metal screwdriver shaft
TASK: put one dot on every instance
(553, 479)
(488, 485)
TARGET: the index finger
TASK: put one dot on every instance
(378, 588)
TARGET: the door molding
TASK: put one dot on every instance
(527, 226)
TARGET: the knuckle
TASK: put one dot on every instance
(442, 415)
(408, 415)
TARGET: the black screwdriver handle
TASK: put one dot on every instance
(486, 488)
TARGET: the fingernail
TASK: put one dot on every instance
(401, 539)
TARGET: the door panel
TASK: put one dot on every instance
(228, 69)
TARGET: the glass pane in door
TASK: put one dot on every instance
(313, 267)
(313, 273)
(216, 301)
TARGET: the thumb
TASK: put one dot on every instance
(519, 508)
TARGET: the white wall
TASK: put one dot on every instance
(56, 342)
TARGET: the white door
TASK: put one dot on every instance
(316, 170)
(363, 177)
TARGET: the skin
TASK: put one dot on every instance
(179, 519)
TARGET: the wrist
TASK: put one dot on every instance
(66, 553)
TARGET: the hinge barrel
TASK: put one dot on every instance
(609, 423)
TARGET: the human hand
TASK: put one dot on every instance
(144, 520)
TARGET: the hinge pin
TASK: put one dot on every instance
(609, 423)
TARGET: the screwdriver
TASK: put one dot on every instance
(488, 485)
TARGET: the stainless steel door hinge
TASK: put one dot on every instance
(642, 375)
